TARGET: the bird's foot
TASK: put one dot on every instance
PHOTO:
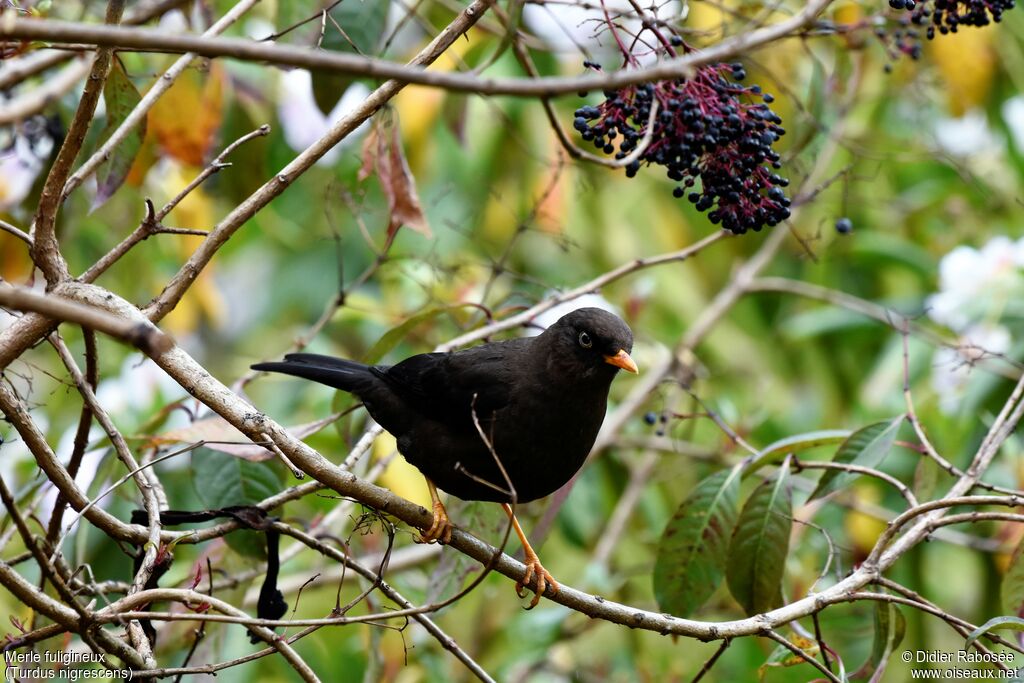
(441, 528)
(535, 572)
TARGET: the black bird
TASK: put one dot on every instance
(534, 405)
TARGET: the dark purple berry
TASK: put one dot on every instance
(711, 128)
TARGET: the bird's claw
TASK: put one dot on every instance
(544, 580)
(440, 529)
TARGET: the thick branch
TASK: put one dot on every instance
(309, 58)
(142, 335)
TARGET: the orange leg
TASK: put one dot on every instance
(441, 528)
(533, 566)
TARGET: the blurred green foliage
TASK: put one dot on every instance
(774, 366)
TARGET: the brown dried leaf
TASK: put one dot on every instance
(219, 435)
(383, 151)
(403, 200)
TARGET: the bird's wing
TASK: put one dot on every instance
(449, 387)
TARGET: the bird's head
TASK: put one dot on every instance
(592, 342)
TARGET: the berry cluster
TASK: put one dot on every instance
(902, 40)
(708, 127)
(946, 16)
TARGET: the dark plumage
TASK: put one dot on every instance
(540, 401)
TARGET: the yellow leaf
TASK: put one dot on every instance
(203, 301)
(861, 528)
(707, 18)
(966, 62)
(15, 264)
(847, 12)
(418, 107)
(186, 119)
(196, 211)
(399, 476)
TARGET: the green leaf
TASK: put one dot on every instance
(692, 551)
(120, 97)
(760, 542)
(866, 447)
(1015, 623)
(354, 26)
(820, 321)
(222, 480)
(782, 656)
(396, 334)
(890, 626)
(877, 247)
(926, 478)
(797, 443)
(454, 569)
(292, 13)
(1012, 592)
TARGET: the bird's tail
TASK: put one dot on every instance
(347, 375)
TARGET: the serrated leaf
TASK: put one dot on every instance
(760, 542)
(1012, 593)
(1014, 623)
(692, 552)
(890, 626)
(866, 447)
(222, 480)
(120, 97)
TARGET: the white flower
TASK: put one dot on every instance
(968, 135)
(1013, 115)
(139, 385)
(551, 316)
(303, 122)
(968, 278)
(22, 162)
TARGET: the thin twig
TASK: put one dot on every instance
(151, 224)
(17, 232)
(802, 655)
(138, 113)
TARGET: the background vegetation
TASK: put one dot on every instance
(924, 157)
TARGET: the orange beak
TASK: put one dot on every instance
(622, 360)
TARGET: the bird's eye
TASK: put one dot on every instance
(585, 341)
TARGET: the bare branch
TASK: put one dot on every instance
(307, 58)
(145, 336)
